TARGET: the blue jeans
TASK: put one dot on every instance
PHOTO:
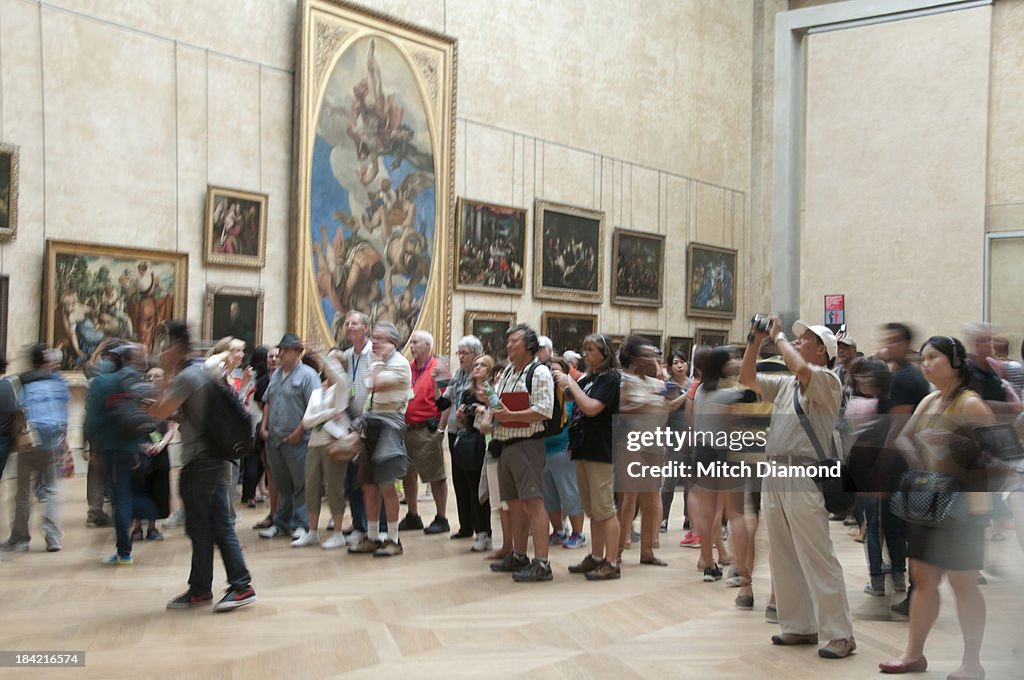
(287, 464)
(40, 463)
(881, 522)
(561, 491)
(118, 466)
(208, 523)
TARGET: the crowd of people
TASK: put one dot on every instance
(536, 439)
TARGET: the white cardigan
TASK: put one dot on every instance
(326, 413)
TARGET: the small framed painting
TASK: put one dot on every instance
(569, 250)
(491, 328)
(567, 330)
(638, 261)
(677, 343)
(236, 227)
(710, 282)
(237, 312)
(711, 337)
(653, 337)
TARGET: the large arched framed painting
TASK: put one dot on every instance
(373, 214)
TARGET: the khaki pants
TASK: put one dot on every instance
(810, 592)
(323, 471)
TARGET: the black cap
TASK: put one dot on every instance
(290, 341)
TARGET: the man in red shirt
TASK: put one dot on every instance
(423, 438)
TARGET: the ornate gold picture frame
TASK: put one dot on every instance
(236, 227)
(490, 242)
(710, 281)
(374, 193)
(237, 312)
(567, 330)
(491, 328)
(9, 155)
(638, 268)
(568, 253)
(94, 292)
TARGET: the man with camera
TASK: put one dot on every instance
(809, 587)
(422, 437)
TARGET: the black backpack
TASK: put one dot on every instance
(226, 427)
(556, 423)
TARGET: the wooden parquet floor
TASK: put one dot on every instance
(438, 612)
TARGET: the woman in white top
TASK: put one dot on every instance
(326, 417)
(643, 398)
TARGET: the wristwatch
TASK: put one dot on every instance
(780, 336)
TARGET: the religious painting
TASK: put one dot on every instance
(235, 312)
(638, 274)
(653, 337)
(491, 328)
(711, 337)
(679, 344)
(710, 281)
(375, 191)
(236, 227)
(94, 292)
(8, 191)
(490, 242)
(569, 250)
(566, 330)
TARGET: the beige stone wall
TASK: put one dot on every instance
(126, 111)
(896, 149)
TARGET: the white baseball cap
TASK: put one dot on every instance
(823, 333)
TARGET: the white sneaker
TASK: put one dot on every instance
(271, 532)
(482, 543)
(355, 538)
(336, 540)
(307, 538)
(174, 521)
(299, 533)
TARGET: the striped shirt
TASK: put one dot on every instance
(358, 369)
(542, 398)
(395, 369)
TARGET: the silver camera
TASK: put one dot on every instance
(759, 322)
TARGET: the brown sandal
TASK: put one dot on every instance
(265, 524)
(657, 562)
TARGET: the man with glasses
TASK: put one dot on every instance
(519, 436)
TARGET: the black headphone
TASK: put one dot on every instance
(956, 361)
(530, 340)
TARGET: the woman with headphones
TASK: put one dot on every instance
(590, 443)
(938, 438)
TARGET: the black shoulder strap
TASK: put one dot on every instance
(529, 375)
(805, 422)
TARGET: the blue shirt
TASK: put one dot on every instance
(560, 442)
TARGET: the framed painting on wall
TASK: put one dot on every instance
(373, 210)
(710, 281)
(94, 292)
(236, 227)
(237, 312)
(711, 337)
(567, 330)
(8, 191)
(568, 252)
(490, 247)
(491, 328)
(677, 343)
(653, 337)
(638, 273)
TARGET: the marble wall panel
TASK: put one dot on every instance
(261, 32)
(1006, 116)
(895, 171)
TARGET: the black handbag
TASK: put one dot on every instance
(929, 498)
(838, 492)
